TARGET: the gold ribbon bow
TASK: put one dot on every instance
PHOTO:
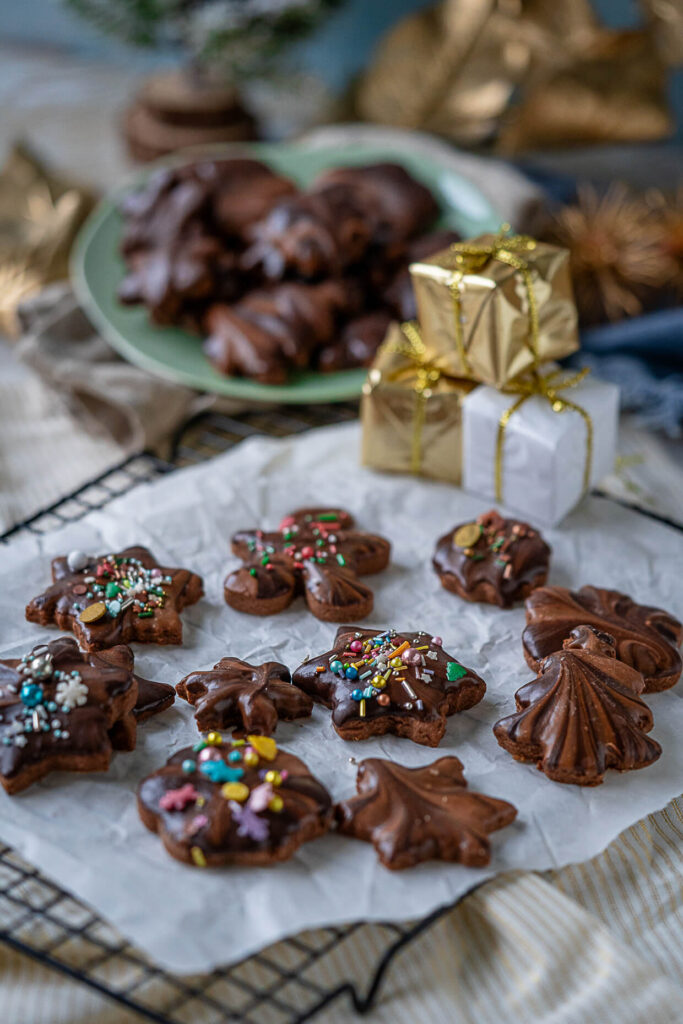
(470, 258)
(427, 375)
(547, 386)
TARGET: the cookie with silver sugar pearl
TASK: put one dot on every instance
(492, 559)
(116, 598)
(235, 694)
(316, 553)
(384, 681)
(412, 815)
(63, 710)
(234, 802)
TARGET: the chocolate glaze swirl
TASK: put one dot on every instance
(646, 638)
(235, 693)
(582, 715)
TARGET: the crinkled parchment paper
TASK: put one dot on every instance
(84, 831)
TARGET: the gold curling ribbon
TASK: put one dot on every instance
(427, 376)
(471, 258)
(546, 386)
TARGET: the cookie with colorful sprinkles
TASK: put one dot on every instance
(416, 814)
(315, 552)
(492, 559)
(251, 697)
(382, 681)
(63, 710)
(234, 802)
(116, 599)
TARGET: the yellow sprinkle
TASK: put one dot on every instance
(235, 791)
(238, 743)
(362, 708)
(214, 739)
(198, 856)
(93, 612)
(265, 746)
(200, 801)
(276, 803)
(425, 647)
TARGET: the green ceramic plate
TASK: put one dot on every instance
(177, 355)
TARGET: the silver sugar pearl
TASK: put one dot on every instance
(41, 667)
(77, 560)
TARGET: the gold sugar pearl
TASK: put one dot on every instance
(214, 739)
(273, 777)
(276, 803)
(250, 758)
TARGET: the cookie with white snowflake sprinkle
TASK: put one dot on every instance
(116, 599)
(234, 802)
(383, 681)
(61, 710)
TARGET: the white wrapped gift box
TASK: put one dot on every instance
(544, 451)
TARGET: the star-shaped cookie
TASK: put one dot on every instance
(582, 714)
(60, 709)
(116, 598)
(379, 681)
(251, 697)
(239, 802)
(416, 814)
(315, 552)
(646, 638)
(153, 698)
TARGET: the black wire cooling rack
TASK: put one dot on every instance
(287, 983)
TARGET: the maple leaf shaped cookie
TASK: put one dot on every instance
(582, 715)
(315, 552)
(416, 814)
(116, 599)
(382, 681)
(646, 638)
(253, 697)
(60, 709)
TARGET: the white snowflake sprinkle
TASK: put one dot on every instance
(71, 693)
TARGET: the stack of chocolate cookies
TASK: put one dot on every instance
(275, 279)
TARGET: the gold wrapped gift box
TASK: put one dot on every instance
(495, 307)
(411, 411)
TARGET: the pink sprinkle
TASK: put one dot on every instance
(178, 799)
(287, 522)
(437, 641)
(333, 549)
(260, 797)
(205, 755)
(284, 774)
(197, 823)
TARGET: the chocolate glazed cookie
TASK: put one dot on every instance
(493, 560)
(382, 681)
(582, 715)
(62, 710)
(646, 638)
(315, 553)
(234, 803)
(116, 598)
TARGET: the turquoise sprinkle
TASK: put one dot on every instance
(219, 771)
